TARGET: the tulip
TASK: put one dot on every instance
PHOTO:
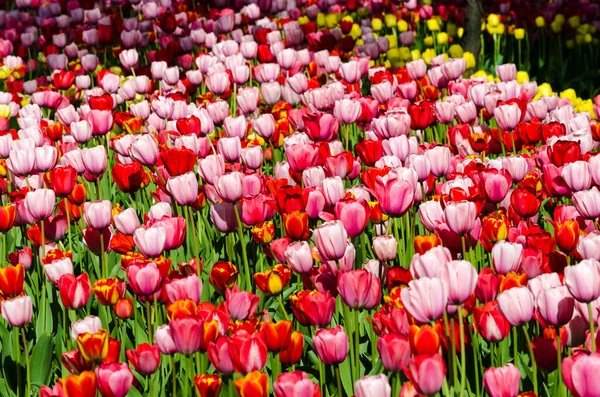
(254, 384)
(425, 299)
(460, 216)
(394, 351)
(359, 289)
(587, 203)
(229, 187)
(295, 384)
(490, 323)
(430, 263)
(371, 386)
(241, 304)
(331, 240)
(426, 373)
(313, 308)
(123, 308)
(187, 334)
(555, 305)
(82, 385)
(331, 345)
(74, 291)
(127, 221)
(189, 287)
(208, 385)
(517, 305)
(579, 373)
(93, 347)
(151, 242)
(12, 280)
(298, 256)
(183, 188)
(164, 340)
(94, 160)
(583, 280)
(8, 215)
(502, 382)
(577, 175)
(17, 311)
(385, 247)
(460, 279)
(506, 257)
(98, 214)
(248, 351)
(40, 203)
(114, 379)
(144, 279)
(507, 116)
(90, 324)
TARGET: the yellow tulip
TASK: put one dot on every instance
(402, 26)
(545, 89)
(569, 93)
(5, 111)
(478, 74)
(460, 32)
(393, 55)
(586, 106)
(456, 51)
(500, 29)
(540, 22)
(428, 54)
(390, 20)
(570, 43)
(405, 54)
(355, 31)
(560, 18)
(392, 40)
(452, 30)
(416, 54)
(575, 21)
(331, 20)
(522, 77)
(519, 34)
(433, 25)
(579, 39)
(321, 19)
(428, 41)
(116, 70)
(556, 26)
(303, 20)
(360, 42)
(442, 38)
(470, 60)
(587, 38)
(493, 19)
(376, 24)
(4, 72)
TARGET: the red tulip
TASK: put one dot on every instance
(426, 373)
(74, 291)
(293, 353)
(524, 203)
(130, 178)
(12, 281)
(421, 115)
(62, 180)
(208, 385)
(145, 358)
(313, 308)
(83, 385)
(114, 379)
(248, 352)
(490, 323)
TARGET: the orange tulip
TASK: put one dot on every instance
(208, 385)
(8, 213)
(272, 281)
(255, 384)
(11, 281)
(223, 275)
(181, 308)
(424, 339)
(108, 291)
(93, 347)
(277, 335)
(293, 353)
(82, 385)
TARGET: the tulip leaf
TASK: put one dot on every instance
(346, 375)
(41, 359)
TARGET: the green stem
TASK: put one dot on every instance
(348, 322)
(339, 381)
(244, 254)
(3, 250)
(452, 349)
(149, 381)
(174, 375)
(17, 350)
(559, 361)
(68, 223)
(397, 235)
(282, 307)
(515, 354)
(102, 255)
(149, 321)
(462, 351)
(592, 330)
(195, 238)
(42, 229)
(27, 363)
(357, 344)
(532, 358)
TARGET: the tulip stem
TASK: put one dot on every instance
(532, 358)
(559, 362)
(43, 239)
(102, 255)
(17, 350)
(68, 223)
(592, 330)
(27, 363)
(149, 381)
(195, 238)
(149, 321)
(174, 374)
(3, 250)
(515, 354)
(452, 349)
(339, 381)
(244, 254)
(357, 344)
(462, 351)
(282, 307)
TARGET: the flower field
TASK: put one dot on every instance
(299, 198)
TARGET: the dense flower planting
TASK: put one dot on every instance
(296, 199)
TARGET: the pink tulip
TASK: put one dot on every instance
(81, 131)
(253, 157)
(211, 167)
(21, 161)
(506, 72)
(359, 289)
(416, 69)
(151, 242)
(580, 374)
(385, 247)
(587, 203)
(100, 120)
(184, 188)
(264, 125)
(302, 156)
(373, 386)
(223, 216)
(45, 158)
(144, 280)
(583, 280)
(189, 287)
(187, 334)
(164, 340)
(431, 214)
(40, 203)
(347, 111)
(89, 324)
(555, 305)
(98, 214)
(577, 175)
(331, 345)
(425, 299)
(430, 263)
(295, 384)
(94, 160)
(299, 257)
(17, 311)
(439, 158)
(496, 185)
(394, 351)
(460, 279)
(331, 240)
(506, 257)
(517, 305)
(502, 382)
(507, 116)
(395, 195)
(145, 150)
(230, 148)
(241, 304)
(229, 187)
(220, 357)
(460, 216)
(426, 373)
(127, 221)
(114, 379)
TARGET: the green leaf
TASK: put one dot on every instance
(346, 375)
(41, 359)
